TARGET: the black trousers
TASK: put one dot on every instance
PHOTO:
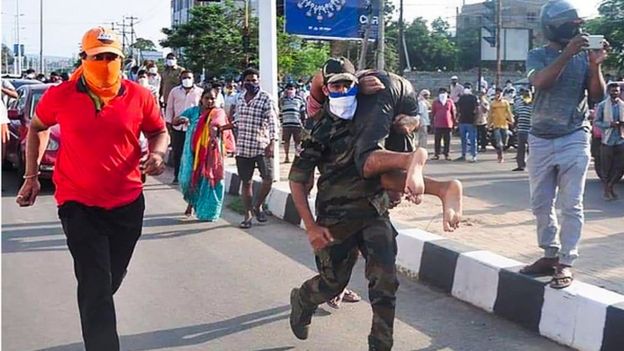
(177, 145)
(523, 139)
(442, 133)
(612, 163)
(482, 136)
(101, 243)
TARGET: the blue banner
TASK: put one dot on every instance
(331, 19)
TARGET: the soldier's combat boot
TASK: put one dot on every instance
(300, 318)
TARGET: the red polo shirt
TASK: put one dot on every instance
(98, 159)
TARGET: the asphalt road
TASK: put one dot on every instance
(212, 286)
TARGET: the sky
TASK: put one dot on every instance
(65, 21)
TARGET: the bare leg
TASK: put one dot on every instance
(449, 192)
(383, 161)
(286, 146)
(264, 192)
(246, 196)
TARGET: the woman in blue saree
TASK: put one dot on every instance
(208, 139)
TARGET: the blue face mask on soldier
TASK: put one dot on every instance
(343, 105)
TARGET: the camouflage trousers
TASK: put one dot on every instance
(376, 240)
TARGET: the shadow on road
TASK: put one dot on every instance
(193, 335)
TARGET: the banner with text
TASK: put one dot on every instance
(331, 19)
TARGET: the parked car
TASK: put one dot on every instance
(21, 112)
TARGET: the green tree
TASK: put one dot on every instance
(610, 23)
(212, 39)
(7, 58)
(144, 45)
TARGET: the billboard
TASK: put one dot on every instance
(515, 44)
(330, 19)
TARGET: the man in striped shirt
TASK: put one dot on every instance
(523, 109)
(292, 115)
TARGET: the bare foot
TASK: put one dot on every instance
(414, 183)
(452, 204)
(189, 211)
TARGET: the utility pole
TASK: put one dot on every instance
(132, 33)
(381, 38)
(41, 65)
(123, 35)
(402, 58)
(499, 25)
(246, 34)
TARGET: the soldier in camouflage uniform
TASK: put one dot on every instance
(352, 216)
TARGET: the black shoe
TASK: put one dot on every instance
(260, 215)
(518, 169)
(300, 318)
(175, 181)
(436, 157)
(463, 158)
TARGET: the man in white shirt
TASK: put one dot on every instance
(182, 97)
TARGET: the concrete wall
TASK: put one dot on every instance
(435, 80)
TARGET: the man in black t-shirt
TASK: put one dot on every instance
(467, 106)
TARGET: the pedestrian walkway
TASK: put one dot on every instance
(498, 218)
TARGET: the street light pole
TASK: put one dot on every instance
(41, 65)
(18, 67)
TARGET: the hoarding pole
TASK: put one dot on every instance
(267, 16)
(364, 51)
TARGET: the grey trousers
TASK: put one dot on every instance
(557, 170)
(612, 163)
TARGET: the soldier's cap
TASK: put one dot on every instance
(338, 69)
(100, 40)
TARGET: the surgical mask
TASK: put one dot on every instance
(443, 97)
(252, 88)
(467, 91)
(30, 76)
(143, 81)
(343, 105)
(153, 70)
(171, 62)
(187, 82)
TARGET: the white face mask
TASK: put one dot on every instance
(30, 76)
(467, 91)
(187, 82)
(443, 97)
(153, 70)
(143, 81)
(171, 62)
(343, 107)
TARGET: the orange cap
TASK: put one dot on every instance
(98, 40)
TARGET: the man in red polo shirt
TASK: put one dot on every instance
(97, 174)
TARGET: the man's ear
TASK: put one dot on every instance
(325, 90)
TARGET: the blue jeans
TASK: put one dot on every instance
(557, 170)
(468, 134)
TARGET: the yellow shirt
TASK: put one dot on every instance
(500, 114)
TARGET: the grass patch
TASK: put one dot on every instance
(236, 205)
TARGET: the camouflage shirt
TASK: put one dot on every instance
(344, 199)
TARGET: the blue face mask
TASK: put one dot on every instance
(343, 105)
(252, 87)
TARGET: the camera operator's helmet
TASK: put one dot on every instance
(560, 21)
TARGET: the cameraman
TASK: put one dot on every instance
(610, 119)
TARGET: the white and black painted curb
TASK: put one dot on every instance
(582, 316)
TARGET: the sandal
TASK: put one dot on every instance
(335, 302)
(562, 278)
(351, 296)
(543, 266)
(260, 215)
(246, 224)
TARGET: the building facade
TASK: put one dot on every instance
(180, 9)
(515, 15)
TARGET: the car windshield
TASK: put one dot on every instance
(34, 101)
